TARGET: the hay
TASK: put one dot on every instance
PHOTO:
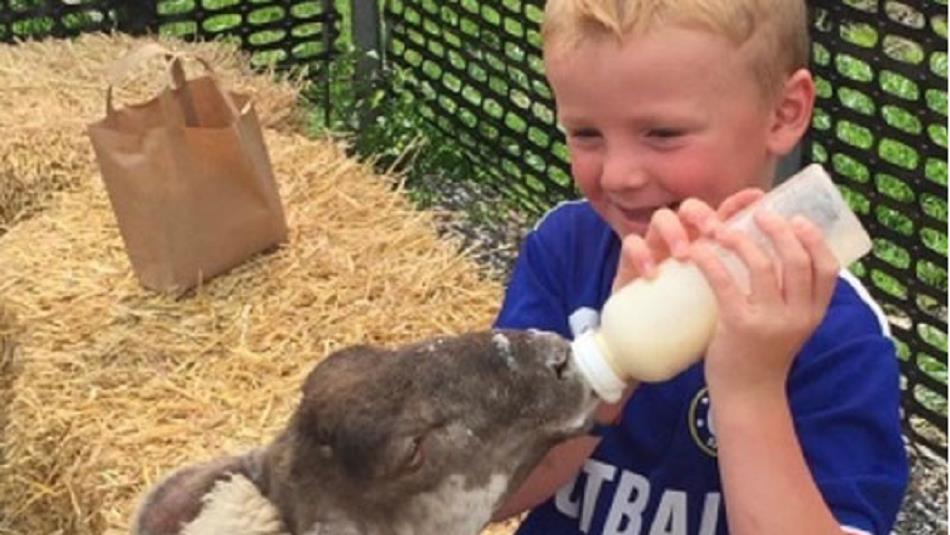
(34, 162)
(7, 374)
(104, 386)
(49, 91)
(116, 385)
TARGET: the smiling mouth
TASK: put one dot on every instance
(644, 215)
(640, 215)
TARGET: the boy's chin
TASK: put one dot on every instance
(625, 227)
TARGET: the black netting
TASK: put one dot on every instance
(285, 32)
(476, 72)
(34, 19)
(880, 127)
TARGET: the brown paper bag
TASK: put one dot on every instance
(188, 176)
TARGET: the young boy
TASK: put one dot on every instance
(790, 424)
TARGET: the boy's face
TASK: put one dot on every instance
(673, 114)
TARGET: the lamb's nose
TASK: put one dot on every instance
(559, 366)
(556, 351)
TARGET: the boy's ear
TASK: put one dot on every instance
(792, 112)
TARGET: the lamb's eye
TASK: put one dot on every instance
(416, 455)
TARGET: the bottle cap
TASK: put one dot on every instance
(590, 360)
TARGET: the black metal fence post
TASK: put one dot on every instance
(367, 39)
(137, 18)
(329, 36)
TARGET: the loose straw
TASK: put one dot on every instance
(105, 386)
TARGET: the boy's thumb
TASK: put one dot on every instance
(636, 260)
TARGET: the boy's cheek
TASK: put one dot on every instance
(586, 173)
(697, 173)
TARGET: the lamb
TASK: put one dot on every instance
(426, 439)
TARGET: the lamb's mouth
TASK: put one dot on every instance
(583, 419)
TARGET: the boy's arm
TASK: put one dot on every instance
(846, 441)
(768, 485)
(780, 475)
(555, 470)
(559, 465)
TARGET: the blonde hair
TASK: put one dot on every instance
(777, 29)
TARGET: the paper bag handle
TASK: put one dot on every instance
(121, 68)
(176, 77)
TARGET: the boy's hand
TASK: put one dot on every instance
(758, 334)
(670, 234)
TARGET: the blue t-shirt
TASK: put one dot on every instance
(657, 473)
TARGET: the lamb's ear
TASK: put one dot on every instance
(331, 384)
(347, 365)
(176, 500)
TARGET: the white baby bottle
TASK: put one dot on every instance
(653, 329)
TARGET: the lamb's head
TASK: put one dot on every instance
(425, 439)
(428, 438)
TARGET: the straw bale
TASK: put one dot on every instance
(36, 161)
(49, 91)
(59, 80)
(116, 384)
(7, 372)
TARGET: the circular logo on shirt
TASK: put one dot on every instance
(701, 423)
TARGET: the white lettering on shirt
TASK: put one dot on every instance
(630, 499)
(707, 526)
(563, 501)
(597, 473)
(670, 518)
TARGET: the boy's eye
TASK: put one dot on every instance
(665, 133)
(584, 134)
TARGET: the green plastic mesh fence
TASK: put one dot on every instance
(34, 19)
(880, 125)
(476, 72)
(277, 31)
(281, 32)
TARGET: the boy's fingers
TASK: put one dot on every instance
(700, 217)
(796, 263)
(668, 234)
(728, 294)
(636, 260)
(824, 262)
(737, 201)
(763, 281)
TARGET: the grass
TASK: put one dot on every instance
(503, 128)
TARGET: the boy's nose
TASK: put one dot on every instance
(622, 172)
